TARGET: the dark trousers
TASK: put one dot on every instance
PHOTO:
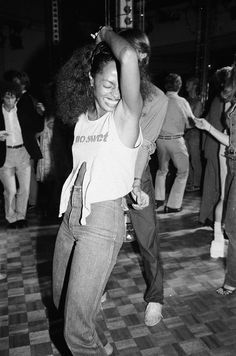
(146, 230)
(230, 223)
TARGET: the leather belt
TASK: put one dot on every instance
(169, 137)
(17, 146)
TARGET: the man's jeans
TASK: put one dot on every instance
(146, 229)
(17, 165)
(95, 247)
(230, 224)
(176, 151)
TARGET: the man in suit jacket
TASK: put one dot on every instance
(27, 105)
(18, 145)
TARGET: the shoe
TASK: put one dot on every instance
(172, 210)
(12, 226)
(225, 291)
(159, 203)
(21, 224)
(192, 188)
(109, 349)
(153, 314)
(2, 276)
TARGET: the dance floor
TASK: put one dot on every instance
(196, 320)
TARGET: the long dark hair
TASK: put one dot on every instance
(229, 88)
(74, 94)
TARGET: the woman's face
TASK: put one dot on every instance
(106, 88)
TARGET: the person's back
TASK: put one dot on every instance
(171, 146)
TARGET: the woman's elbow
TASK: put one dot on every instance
(128, 55)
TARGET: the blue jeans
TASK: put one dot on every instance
(230, 224)
(95, 247)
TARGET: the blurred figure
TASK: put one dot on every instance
(33, 112)
(229, 140)
(211, 190)
(144, 221)
(171, 145)
(193, 137)
(15, 152)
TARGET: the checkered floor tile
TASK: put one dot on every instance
(196, 321)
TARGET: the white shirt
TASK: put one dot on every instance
(12, 127)
(109, 163)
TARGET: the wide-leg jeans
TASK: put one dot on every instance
(95, 247)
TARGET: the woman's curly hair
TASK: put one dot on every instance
(74, 94)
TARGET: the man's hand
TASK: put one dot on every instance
(140, 197)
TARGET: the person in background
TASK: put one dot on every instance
(229, 140)
(14, 157)
(211, 189)
(99, 91)
(171, 146)
(145, 221)
(33, 112)
(193, 138)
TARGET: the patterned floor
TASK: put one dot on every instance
(196, 322)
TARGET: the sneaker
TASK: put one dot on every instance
(192, 188)
(172, 210)
(109, 349)
(153, 314)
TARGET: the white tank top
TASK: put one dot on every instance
(109, 163)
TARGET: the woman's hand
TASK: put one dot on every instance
(98, 36)
(140, 197)
(3, 135)
(202, 124)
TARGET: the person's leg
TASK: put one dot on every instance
(33, 192)
(196, 161)
(211, 190)
(218, 245)
(95, 253)
(179, 156)
(230, 228)
(8, 179)
(190, 180)
(23, 170)
(163, 167)
(146, 230)
(62, 252)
